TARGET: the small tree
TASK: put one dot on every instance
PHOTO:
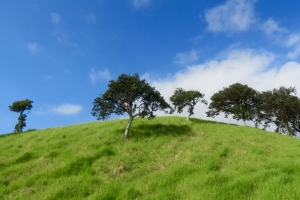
(281, 107)
(129, 94)
(21, 107)
(189, 99)
(238, 100)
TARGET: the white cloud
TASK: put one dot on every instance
(91, 18)
(33, 48)
(295, 53)
(293, 40)
(246, 66)
(55, 18)
(66, 109)
(140, 3)
(99, 75)
(270, 26)
(233, 16)
(63, 109)
(186, 58)
(283, 37)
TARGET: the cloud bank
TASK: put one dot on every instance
(246, 66)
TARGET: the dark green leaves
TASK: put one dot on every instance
(238, 100)
(189, 99)
(129, 94)
(20, 107)
(281, 107)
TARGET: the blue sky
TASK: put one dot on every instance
(61, 54)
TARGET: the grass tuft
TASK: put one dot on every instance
(25, 157)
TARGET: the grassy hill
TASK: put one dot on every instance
(164, 158)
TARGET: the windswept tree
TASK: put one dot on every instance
(131, 95)
(281, 107)
(238, 100)
(21, 107)
(189, 99)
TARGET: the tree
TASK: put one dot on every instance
(238, 100)
(189, 99)
(129, 94)
(21, 107)
(281, 107)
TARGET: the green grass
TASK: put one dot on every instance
(163, 158)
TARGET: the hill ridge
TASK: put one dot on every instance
(163, 158)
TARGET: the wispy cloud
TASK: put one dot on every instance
(62, 109)
(66, 109)
(33, 48)
(196, 39)
(233, 16)
(99, 75)
(270, 27)
(294, 53)
(283, 37)
(91, 18)
(186, 58)
(140, 3)
(55, 18)
(61, 36)
(293, 39)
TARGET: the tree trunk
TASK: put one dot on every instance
(188, 117)
(244, 121)
(288, 129)
(128, 126)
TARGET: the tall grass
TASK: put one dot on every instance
(163, 158)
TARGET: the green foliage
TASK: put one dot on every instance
(281, 107)
(189, 99)
(131, 95)
(238, 100)
(20, 107)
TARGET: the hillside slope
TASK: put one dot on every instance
(164, 158)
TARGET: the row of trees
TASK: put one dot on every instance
(131, 95)
(278, 106)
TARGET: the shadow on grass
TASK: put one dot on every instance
(156, 130)
(202, 121)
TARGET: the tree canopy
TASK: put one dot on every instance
(131, 95)
(281, 107)
(21, 107)
(189, 99)
(238, 100)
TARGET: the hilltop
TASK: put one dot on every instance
(163, 158)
